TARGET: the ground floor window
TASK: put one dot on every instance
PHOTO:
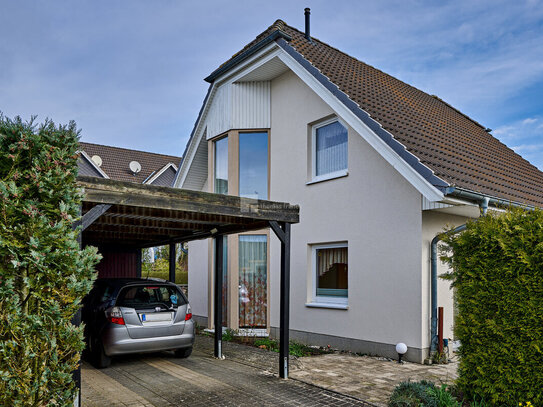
(253, 281)
(331, 273)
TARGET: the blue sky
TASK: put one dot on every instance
(130, 72)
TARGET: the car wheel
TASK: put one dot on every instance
(99, 359)
(183, 352)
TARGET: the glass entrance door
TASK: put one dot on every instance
(253, 281)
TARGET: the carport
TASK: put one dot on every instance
(121, 218)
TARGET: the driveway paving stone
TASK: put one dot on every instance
(248, 377)
(201, 380)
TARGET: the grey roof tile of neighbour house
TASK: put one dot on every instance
(116, 160)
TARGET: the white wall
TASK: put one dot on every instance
(373, 208)
(198, 277)
(434, 223)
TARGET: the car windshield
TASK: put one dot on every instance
(140, 297)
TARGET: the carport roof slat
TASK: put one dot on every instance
(147, 215)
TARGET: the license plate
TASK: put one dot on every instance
(156, 318)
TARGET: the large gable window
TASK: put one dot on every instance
(329, 150)
(221, 166)
(253, 165)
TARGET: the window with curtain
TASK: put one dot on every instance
(253, 165)
(330, 149)
(331, 271)
(253, 281)
(221, 166)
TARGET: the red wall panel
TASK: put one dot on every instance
(119, 263)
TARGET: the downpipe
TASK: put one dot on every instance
(483, 205)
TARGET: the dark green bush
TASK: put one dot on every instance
(423, 393)
(497, 273)
(43, 272)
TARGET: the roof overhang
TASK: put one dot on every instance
(145, 215)
(275, 35)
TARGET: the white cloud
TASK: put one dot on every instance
(130, 72)
(526, 136)
(529, 120)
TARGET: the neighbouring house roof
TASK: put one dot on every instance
(156, 169)
(456, 148)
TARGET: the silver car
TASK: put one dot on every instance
(124, 316)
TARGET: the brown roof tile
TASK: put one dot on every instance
(115, 161)
(458, 149)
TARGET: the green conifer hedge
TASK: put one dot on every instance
(43, 272)
(497, 273)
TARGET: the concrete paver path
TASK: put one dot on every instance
(369, 378)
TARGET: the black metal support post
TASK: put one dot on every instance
(284, 303)
(217, 300)
(283, 233)
(172, 263)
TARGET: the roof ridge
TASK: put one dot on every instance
(131, 149)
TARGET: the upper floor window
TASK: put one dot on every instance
(253, 165)
(221, 166)
(329, 150)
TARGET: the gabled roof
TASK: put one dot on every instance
(116, 160)
(456, 148)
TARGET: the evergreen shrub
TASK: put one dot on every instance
(43, 272)
(497, 273)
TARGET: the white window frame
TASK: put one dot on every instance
(321, 301)
(330, 175)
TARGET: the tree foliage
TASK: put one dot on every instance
(159, 266)
(43, 272)
(497, 272)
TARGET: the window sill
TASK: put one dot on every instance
(330, 305)
(327, 177)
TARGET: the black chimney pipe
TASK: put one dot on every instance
(307, 13)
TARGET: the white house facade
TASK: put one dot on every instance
(273, 126)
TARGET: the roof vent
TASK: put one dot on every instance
(96, 159)
(135, 167)
(307, 13)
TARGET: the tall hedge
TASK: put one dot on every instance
(43, 272)
(497, 272)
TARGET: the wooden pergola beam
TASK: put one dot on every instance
(106, 191)
(153, 223)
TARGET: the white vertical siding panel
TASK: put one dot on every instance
(251, 105)
(219, 115)
(244, 105)
(197, 173)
